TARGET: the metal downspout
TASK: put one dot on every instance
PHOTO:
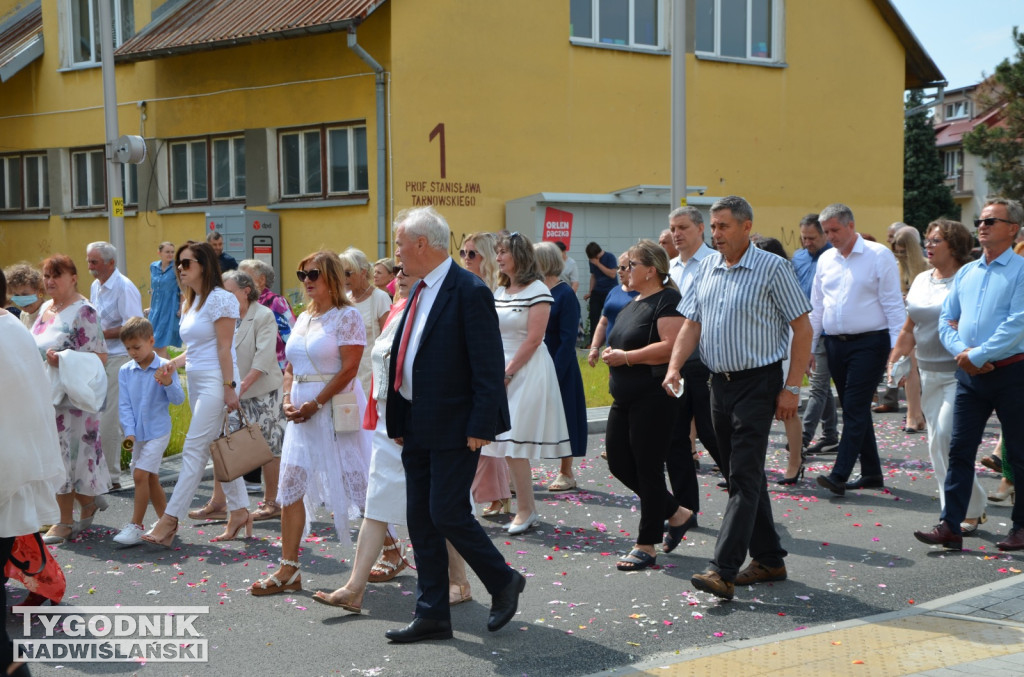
(382, 232)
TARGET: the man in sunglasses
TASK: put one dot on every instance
(982, 325)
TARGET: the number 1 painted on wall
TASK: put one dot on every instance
(439, 131)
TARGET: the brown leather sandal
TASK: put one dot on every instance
(269, 509)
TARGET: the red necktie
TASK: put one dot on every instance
(410, 316)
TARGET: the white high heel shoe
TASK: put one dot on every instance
(532, 521)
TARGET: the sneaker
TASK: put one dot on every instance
(253, 487)
(131, 534)
(822, 447)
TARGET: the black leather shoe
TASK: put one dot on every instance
(505, 603)
(941, 535)
(833, 484)
(866, 482)
(421, 629)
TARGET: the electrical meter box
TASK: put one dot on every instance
(249, 234)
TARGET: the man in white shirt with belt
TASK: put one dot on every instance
(858, 311)
(116, 298)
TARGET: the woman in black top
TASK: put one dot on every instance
(642, 415)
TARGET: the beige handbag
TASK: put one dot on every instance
(344, 407)
(238, 452)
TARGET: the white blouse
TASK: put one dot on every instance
(200, 336)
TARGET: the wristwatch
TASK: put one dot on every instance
(793, 389)
(232, 384)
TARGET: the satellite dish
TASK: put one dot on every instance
(130, 149)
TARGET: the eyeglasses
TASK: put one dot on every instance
(468, 254)
(185, 264)
(623, 269)
(634, 264)
(313, 275)
(991, 221)
(933, 242)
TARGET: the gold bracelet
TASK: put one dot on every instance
(626, 355)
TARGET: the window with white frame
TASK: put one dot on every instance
(130, 184)
(37, 185)
(747, 30)
(337, 152)
(195, 161)
(636, 24)
(88, 179)
(228, 168)
(81, 24)
(189, 171)
(957, 110)
(10, 183)
(952, 161)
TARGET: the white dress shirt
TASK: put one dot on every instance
(115, 300)
(424, 302)
(857, 293)
(682, 272)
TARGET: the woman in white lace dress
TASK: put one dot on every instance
(318, 465)
(207, 330)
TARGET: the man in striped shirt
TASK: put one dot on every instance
(858, 313)
(739, 310)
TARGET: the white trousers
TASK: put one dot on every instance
(938, 389)
(206, 396)
(110, 423)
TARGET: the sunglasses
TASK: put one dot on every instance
(185, 264)
(313, 275)
(623, 269)
(991, 221)
(399, 270)
(468, 255)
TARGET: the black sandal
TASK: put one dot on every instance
(636, 560)
(674, 535)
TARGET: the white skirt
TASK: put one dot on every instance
(385, 497)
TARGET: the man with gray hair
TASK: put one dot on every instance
(686, 228)
(116, 299)
(858, 312)
(739, 310)
(446, 400)
(982, 325)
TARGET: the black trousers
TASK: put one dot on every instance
(637, 439)
(743, 408)
(857, 365)
(439, 507)
(694, 405)
(594, 308)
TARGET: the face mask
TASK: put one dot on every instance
(25, 300)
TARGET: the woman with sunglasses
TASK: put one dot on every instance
(491, 483)
(385, 495)
(207, 329)
(318, 465)
(539, 430)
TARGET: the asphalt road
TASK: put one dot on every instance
(849, 558)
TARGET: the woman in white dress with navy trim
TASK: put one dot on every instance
(523, 303)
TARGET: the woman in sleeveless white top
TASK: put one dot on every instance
(539, 430)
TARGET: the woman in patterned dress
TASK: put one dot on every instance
(69, 322)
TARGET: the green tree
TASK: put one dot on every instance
(926, 197)
(1002, 145)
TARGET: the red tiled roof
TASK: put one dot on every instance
(201, 25)
(21, 40)
(952, 133)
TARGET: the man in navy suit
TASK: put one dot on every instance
(447, 400)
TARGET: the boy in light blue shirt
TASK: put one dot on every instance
(143, 401)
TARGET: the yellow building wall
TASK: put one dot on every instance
(522, 110)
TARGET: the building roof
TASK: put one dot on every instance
(21, 39)
(921, 71)
(204, 25)
(952, 133)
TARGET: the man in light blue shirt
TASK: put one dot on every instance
(982, 325)
(821, 403)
